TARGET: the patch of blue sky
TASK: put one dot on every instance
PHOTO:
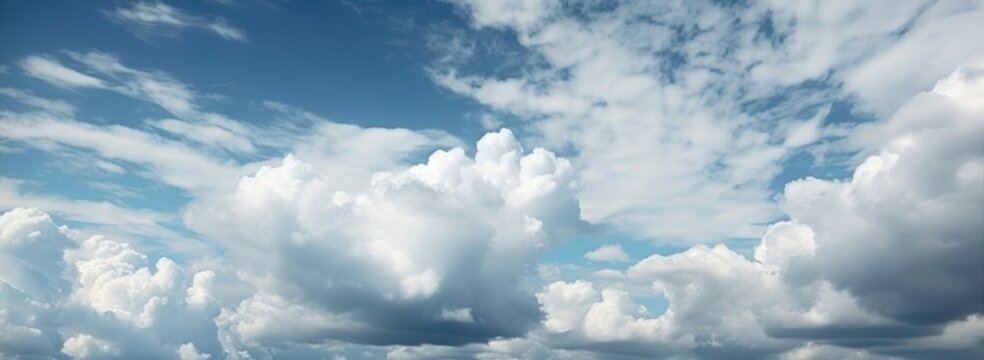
(571, 251)
(835, 164)
(800, 101)
(371, 76)
(569, 255)
(845, 112)
(350, 69)
(655, 305)
(20, 163)
(744, 247)
(64, 175)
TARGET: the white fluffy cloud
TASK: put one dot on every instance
(441, 245)
(31, 281)
(94, 299)
(84, 346)
(843, 271)
(31, 248)
(608, 253)
(189, 352)
(566, 303)
(917, 200)
(115, 278)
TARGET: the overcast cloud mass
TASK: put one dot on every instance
(492, 179)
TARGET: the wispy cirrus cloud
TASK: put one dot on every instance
(147, 19)
(55, 106)
(53, 72)
(105, 71)
(672, 109)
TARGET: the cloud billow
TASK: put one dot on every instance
(451, 236)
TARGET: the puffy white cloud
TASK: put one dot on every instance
(31, 248)
(97, 300)
(352, 154)
(85, 346)
(426, 246)
(784, 241)
(268, 320)
(616, 317)
(189, 352)
(916, 201)
(199, 293)
(566, 303)
(31, 282)
(114, 278)
(608, 253)
(886, 262)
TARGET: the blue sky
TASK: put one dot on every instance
(358, 62)
(491, 179)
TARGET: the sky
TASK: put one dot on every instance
(491, 179)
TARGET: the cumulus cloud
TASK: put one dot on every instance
(189, 352)
(842, 273)
(440, 245)
(916, 201)
(32, 254)
(147, 19)
(97, 298)
(608, 253)
(84, 346)
(31, 281)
